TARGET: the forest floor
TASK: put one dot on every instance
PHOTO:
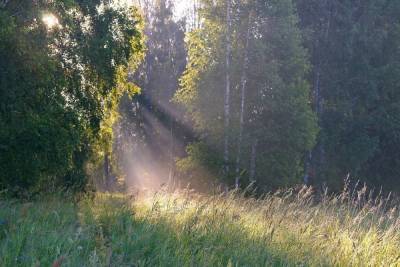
(184, 229)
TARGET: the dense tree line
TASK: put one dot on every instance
(275, 93)
(355, 54)
(256, 67)
(245, 88)
(62, 71)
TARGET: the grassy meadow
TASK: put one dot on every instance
(187, 229)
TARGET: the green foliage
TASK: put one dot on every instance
(64, 70)
(201, 166)
(355, 55)
(277, 110)
(57, 85)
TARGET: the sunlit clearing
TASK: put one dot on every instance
(50, 21)
(148, 169)
(152, 163)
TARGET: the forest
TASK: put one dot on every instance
(199, 133)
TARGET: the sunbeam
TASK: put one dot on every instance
(50, 20)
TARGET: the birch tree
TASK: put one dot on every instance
(73, 78)
(268, 109)
(227, 96)
(243, 84)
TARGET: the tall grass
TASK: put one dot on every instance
(186, 229)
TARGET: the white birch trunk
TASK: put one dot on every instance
(228, 87)
(242, 102)
(318, 153)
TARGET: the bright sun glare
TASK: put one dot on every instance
(50, 20)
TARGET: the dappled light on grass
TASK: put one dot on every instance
(283, 228)
(182, 229)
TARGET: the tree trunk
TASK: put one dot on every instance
(196, 22)
(171, 180)
(107, 171)
(242, 102)
(228, 87)
(253, 161)
(306, 178)
(316, 156)
(4, 3)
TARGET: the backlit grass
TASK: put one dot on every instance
(183, 229)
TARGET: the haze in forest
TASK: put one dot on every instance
(199, 133)
(199, 94)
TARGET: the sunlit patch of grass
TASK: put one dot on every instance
(184, 229)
